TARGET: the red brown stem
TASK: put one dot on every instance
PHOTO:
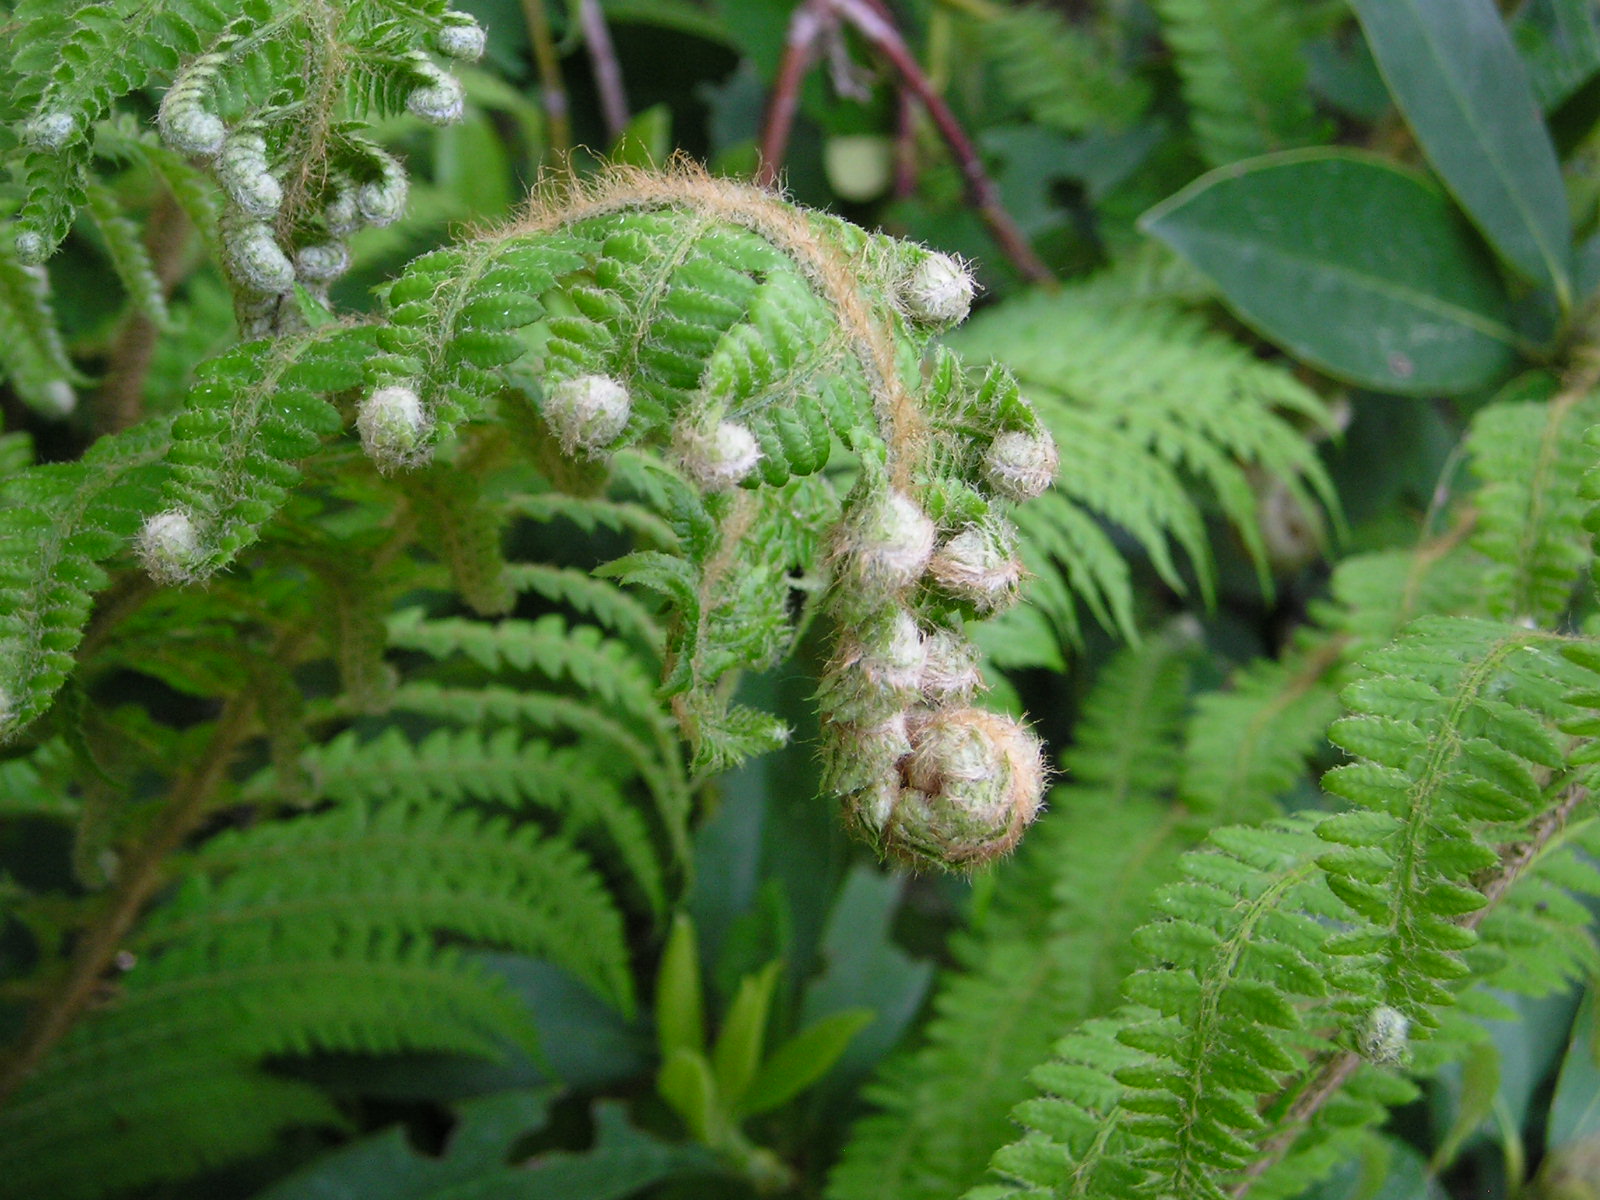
(806, 28)
(607, 70)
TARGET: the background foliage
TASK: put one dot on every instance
(458, 817)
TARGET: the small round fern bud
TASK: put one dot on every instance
(394, 427)
(1383, 1037)
(439, 101)
(877, 670)
(587, 413)
(382, 201)
(186, 126)
(321, 263)
(718, 458)
(341, 213)
(1020, 466)
(980, 565)
(258, 260)
(973, 782)
(168, 546)
(861, 765)
(892, 541)
(49, 130)
(938, 291)
(31, 247)
(461, 38)
(950, 672)
(242, 171)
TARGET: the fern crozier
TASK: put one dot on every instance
(938, 291)
(1021, 466)
(461, 38)
(394, 427)
(169, 546)
(587, 413)
(49, 130)
(718, 458)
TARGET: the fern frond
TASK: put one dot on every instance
(1148, 399)
(1061, 74)
(33, 358)
(1243, 75)
(1530, 456)
(127, 253)
(57, 524)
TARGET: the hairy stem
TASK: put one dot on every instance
(138, 880)
(166, 239)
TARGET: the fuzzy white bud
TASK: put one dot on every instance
(341, 214)
(938, 291)
(1383, 1038)
(322, 263)
(169, 546)
(242, 171)
(394, 427)
(980, 565)
(49, 130)
(587, 413)
(973, 782)
(892, 541)
(719, 458)
(382, 201)
(461, 38)
(258, 260)
(440, 100)
(31, 246)
(1020, 466)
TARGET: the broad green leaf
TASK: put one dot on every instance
(1451, 67)
(1575, 1108)
(685, 1083)
(802, 1060)
(744, 1034)
(1350, 263)
(680, 1024)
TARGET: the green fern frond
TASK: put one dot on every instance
(58, 523)
(602, 602)
(1243, 75)
(126, 251)
(1529, 454)
(1148, 399)
(1062, 74)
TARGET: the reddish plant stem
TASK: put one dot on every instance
(873, 22)
(607, 70)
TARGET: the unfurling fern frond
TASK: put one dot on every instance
(1151, 402)
(340, 952)
(33, 358)
(1243, 75)
(1051, 951)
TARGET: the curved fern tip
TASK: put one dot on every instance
(1021, 466)
(168, 546)
(938, 291)
(394, 427)
(980, 565)
(461, 38)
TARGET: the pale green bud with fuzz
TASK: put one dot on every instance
(321, 263)
(31, 247)
(168, 546)
(49, 130)
(243, 172)
(461, 38)
(980, 565)
(718, 458)
(257, 259)
(587, 413)
(862, 767)
(1020, 466)
(973, 782)
(184, 122)
(382, 201)
(950, 673)
(394, 427)
(937, 291)
(890, 541)
(341, 213)
(440, 99)
(877, 671)
(1383, 1037)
